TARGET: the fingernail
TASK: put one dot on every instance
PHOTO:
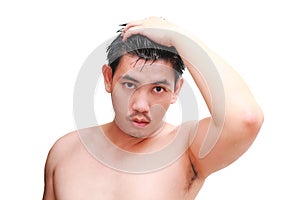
(120, 30)
(123, 24)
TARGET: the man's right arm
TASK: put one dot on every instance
(48, 176)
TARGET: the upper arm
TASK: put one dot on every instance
(48, 178)
(56, 155)
(234, 138)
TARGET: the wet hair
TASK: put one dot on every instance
(143, 48)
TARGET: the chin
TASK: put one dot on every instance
(140, 133)
(139, 130)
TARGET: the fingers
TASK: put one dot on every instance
(138, 26)
(131, 28)
(132, 31)
(132, 24)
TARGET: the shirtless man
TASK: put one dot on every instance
(142, 87)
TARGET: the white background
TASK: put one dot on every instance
(43, 45)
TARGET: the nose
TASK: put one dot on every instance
(140, 102)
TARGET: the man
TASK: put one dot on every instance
(144, 77)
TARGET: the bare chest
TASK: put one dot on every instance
(82, 177)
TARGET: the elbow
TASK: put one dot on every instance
(252, 121)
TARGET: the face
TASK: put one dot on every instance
(141, 94)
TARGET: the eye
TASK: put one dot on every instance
(129, 85)
(158, 89)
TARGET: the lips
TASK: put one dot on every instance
(140, 121)
(140, 124)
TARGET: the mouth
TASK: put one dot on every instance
(140, 122)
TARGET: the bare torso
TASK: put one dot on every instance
(73, 172)
(78, 175)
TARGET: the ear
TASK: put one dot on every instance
(107, 74)
(178, 86)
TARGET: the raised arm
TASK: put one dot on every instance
(235, 116)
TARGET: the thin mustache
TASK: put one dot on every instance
(139, 114)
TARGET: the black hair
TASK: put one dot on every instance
(143, 48)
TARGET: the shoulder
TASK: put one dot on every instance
(65, 143)
(57, 154)
(61, 149)
(69, 144)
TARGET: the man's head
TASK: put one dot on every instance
(144, 78)
(145, 49)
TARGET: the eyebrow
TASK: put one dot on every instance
(163, 82)
(127, 77)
